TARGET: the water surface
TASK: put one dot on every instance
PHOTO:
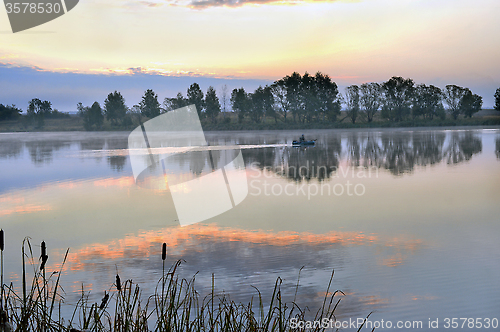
(407, 219)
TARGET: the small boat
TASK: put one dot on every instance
(302, 143)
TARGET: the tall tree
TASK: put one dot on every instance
(268, 99)
(309, 96)
(240, 102)
(453, 95)
(150, 107)
(170, 104)
(293, 86)
(470, 104)
(36, 111)
(352, 102)
(81, 109)
(497, 99)
(93, 116)
(370, 99)
(398, 93)
(114, 107)
(257, 109)
(278, 89)
(9, 112)
(212, 104)
(46, 108)
(329, 103)
(195, 96)
(427, 102)
(224, 100)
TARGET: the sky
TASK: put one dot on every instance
(131, 46)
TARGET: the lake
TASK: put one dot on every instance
(408, 219)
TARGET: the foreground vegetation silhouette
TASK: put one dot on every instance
(175, 305)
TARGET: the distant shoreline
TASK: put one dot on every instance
(75, 123)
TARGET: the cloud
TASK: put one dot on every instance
(202, 4)
(226, 3)
(151, 4)
(65, 89)
(137, 70)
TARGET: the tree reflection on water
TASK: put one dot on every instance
(398, 152)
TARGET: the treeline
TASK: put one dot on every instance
(295, 98)
(316, 98)
(116, 112)
(36, 113)
(302, 99)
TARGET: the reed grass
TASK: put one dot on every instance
(175, 306)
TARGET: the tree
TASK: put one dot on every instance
(114, 107)
(195, 96)
(170, 104)
(398, 93)
(329, 103)
(180, 101)
(470, 104)
(268, 99)
(370, 99)
(292, 84)
(477, 104)
(497, 99)
(257, 109)
(352, 102)
(212, 104)
(224, 100)
(308, 96)
(9, 112)
(135, 112)
(46, 108)
(150, 107)
(240, 102)
(37, 110)
(453, 95)
(278, 89)
(427, 102)
(81, 109)
(93, 116)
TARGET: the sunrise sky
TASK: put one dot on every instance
(131, 46)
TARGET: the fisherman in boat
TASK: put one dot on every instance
(302, 139)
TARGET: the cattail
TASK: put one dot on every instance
(164, 252)
(44, 250)
(43, 256)
(1, 240)
(44, 260)
(118, 283)
(104, 300)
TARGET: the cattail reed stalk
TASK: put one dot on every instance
(163, 257)
(118, 283)
(44, 250)
(104, 301)
(44, 257)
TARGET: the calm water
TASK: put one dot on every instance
(409, 220)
